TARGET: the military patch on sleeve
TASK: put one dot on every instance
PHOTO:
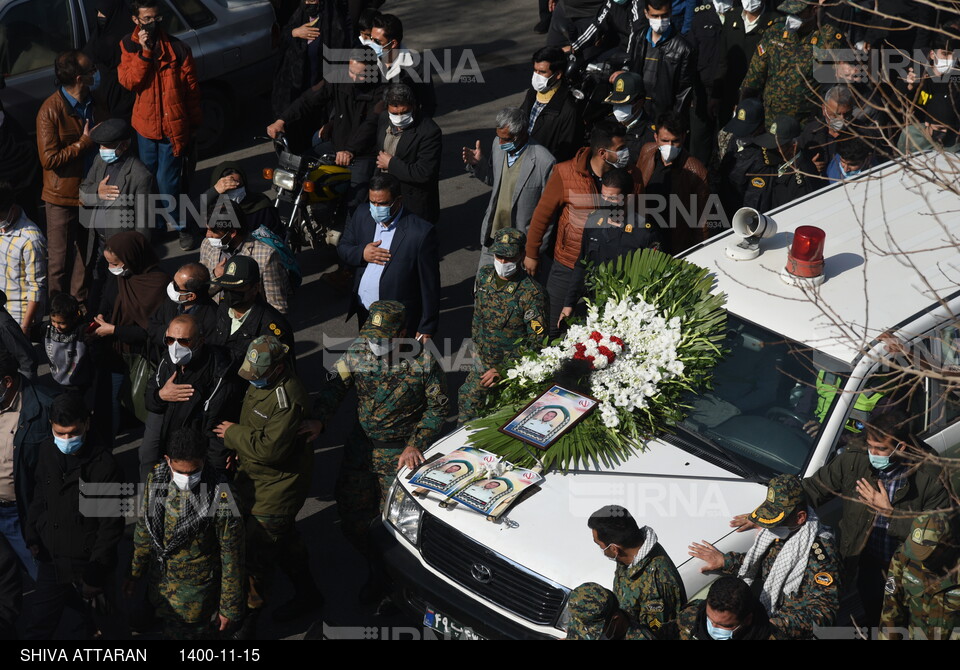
(760, 49)
(282, 401)
(890, 585)
(756, 182)
(654, 624)
(529, 314)
(537, 326)
(433, 390)
(653, 607)
(823, 578)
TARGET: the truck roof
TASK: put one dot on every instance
(891, 253)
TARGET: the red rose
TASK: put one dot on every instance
(596, 336)
(616, 340)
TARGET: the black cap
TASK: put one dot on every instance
(783, 131)
(240, 272)
(110, 131)
(747, 119)
(626, 87)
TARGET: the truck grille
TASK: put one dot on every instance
(488, 574)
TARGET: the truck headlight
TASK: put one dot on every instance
(404, 513)
(283, 179)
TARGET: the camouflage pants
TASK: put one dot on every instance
(471, 396)
(366, 475)
(273, 541)
(177, 629)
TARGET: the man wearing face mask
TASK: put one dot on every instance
(933, 119)
(554, 120)
(190, 525)
(509, 307)
(792, 563)
(273, 477)
(189, 390)
(66, 152)
(74, 537)
(115, 192)
(399, 65)
(730, 612)
(517, 168)
(739, 38)
(667, 170)
(823, 135)
(784, 172)
(742, 156)
(188, 293)
(569, 196)
(646, 581)
(395, 256)
(783, 64)
(920, 593)
(853, 157)
(409, 147)
(613, 29)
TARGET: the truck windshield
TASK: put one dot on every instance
(768, 400)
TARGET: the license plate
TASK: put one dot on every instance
(451, 629)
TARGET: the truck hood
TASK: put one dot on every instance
(683, 498)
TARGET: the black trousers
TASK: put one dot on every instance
(53, 601)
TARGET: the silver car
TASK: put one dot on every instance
(234, 43)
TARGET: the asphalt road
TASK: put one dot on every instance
(498, 34)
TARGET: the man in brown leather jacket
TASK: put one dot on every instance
(66, 150)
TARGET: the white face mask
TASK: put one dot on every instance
(540, 83)
(836, 124)
(380, 347)
(669, 153)
(752, 6)
(722, 7)
(943, 64)
(401, 120)
(623, 157)
(504, 269)
(366, 41)
(622, 113)
(185, 482)
(215, 242)
(793, 23)
(117, 271)
(174, 294)
(179, 354)
(659, 26)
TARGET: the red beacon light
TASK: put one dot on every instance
(805, 257)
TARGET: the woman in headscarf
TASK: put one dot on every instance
(229, 179)
(134, 291)
(103, 48)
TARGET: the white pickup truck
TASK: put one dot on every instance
(891, 266)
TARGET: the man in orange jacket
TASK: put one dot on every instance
(159, 69)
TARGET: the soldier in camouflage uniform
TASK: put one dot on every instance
(646, 581)
(595, 614)
(801, 590)
(273, 477)
(922, 593)
(508, 316)
(781, 71)
(189, 541)
(402, 402)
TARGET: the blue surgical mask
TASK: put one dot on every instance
(377, 48)
(68, 445)
(509, 147)
(380, 213)
(109, 155)
(879, 462)
(847, 175)
(96, 81)
(237, 194)
(719, 633)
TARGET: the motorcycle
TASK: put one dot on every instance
(311, 196)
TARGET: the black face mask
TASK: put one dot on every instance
(235, 299)
(102, 21)
(151, 28)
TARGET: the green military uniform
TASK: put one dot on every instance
(782, 69)
(276, 465)
(817, 599)
(650, 592)
(508, 316)
(921, 600)
(402, 402)
(203, 575)
(595, 614)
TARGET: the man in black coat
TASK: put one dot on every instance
(408, 148)
(189, 293)
(739, 38)
(11, 590)
(553, 118)
(73, 535)
(396, 258)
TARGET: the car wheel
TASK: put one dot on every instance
(216, 119)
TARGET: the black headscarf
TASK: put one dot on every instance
(104, 44)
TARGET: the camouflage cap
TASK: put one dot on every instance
(385, 320)
(784, 495)
(589, 606)
(927, 532)
(626, 87)
(263, 356)
(509, 243)
(239, 272)
(794, 6)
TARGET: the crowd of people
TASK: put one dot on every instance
(647, 124)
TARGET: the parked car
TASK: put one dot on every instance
(234, 43)
(890, 268)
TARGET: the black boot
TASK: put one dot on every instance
(248, 627)
(307, 600)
